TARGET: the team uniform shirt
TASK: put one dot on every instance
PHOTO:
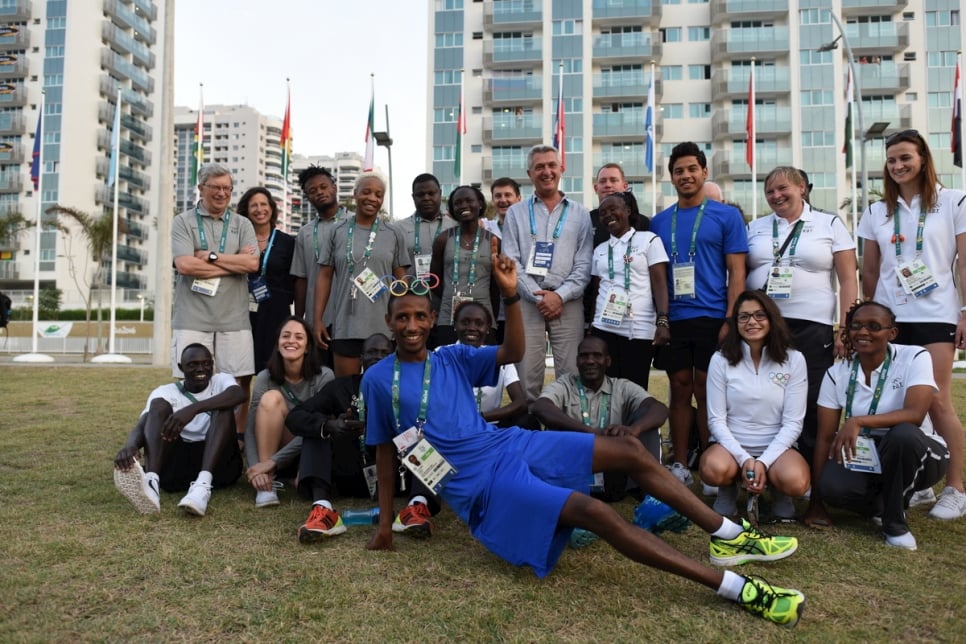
(197, 429)
(427, 234)
(625, 396)
(756, 414)
(722, 232)
(813, 270)
(911, 366)
(647, 251)
(482, 272)
(569, 271)
(227, 309)
(943, 223)
(491, 397)
(359, 318)
(510, 484)
(305, 263)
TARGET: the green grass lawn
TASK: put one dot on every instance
(80, 564)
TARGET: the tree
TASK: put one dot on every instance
(98, 233)
(49, 304)
(11, 225)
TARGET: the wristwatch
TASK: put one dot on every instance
(212, 256)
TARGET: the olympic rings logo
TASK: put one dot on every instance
(411, 285)
(779, 378)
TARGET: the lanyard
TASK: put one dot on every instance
(560, 222)
(603, 412)
(315, 230)
(791, 239)
(479, 399)
(224, 231)
(268, 250)
(348, 244)
(417, 222)
(694, 232)
(879, 385)
(897, 236)
(471, 277)
(290, 394)
(423, 397)
(187, 394)
(627, 262)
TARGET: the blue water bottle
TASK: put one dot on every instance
(656, 516)
(360, 517)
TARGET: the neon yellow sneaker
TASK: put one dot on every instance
(782, 606)
(750, 545)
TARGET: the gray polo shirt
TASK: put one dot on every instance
(626, 397)
(428, 230)
(305, 263)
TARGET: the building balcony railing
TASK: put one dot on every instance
(770, 121)
(869, 38)
(148, 8)
(511, 13)
(138, 129)
(12, 96)
(623, 125)
(607, 12)
(632, 164)
(19, 11)
(631, 47)
(769, 80)
(11, 156)
(9, 271)
(127, 17)
(131, 255)
(727, 10)
(625, 84)
(138, 103)
(899, 117)
(10, 182)
(511, 128)
(11, 123)
(855, 8)
(136, 230)
(883, 78)
(125, 279)
(732, 163)
(504, 167)
(125, 43)
(105, 196)
(13, 68)
(739, 43)
(523, 89)
(126, 69)
(512, 50)
(16, 41)
(135, 178)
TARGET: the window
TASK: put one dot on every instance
(699, 110)
(672, 110)
(942, 18)
(811, 57)
(446, 40)
(940, 99)
(443, 152)
(814, 17)
(568, 27)
(941, 59)
(818, 139)
(816, 97)
(447, 77)
(696, 34)
(671, 34)
(449, 5)
(672, 72)
(699, 72)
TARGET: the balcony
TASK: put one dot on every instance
(626, 47)
(509, 129)
(511, 14)
(16, 11)
(631, 162)
(126, 69)
(135, 229)
(131, 255)
(729, 10)
(605, 13)
(623, 125)
(134, 178)
(740, 43)
(125, 43)
(505, 167)
(11, 182)
(19, 40)
(623, 84)
(147, 8)
(125, 279)
(899, 117)
(105, 195)
(127, 17)
(770, 80)
(11, 124)
(870, 38)
(852, 8)
(12, 96)
(516, 90)
(138, 129)
(136, 152)
(514, 51)
(732, 163)
(883, 78)
(13, 67)
(771, 121)
(11, 154)
(139, 104)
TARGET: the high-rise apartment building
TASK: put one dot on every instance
(80, 55)
(508, 54)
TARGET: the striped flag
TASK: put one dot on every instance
(287, 136)
(649, 127)
(849, 130)
(460, 131)
(199, 146)
(367, 163)
(750, 120)
(35, 161)
(560, 124)
(957, 133)
(115, 143)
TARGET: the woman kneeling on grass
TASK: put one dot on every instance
(522, 492)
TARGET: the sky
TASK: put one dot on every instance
(243, 50)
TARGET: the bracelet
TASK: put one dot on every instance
(513, 299)
(663, 323)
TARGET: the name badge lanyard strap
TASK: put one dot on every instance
(877, 392)
(290, 394)
(417, 223)
(423, 397)
(792, 240)
(694, 232)
(360, 405)
(603, 413)
(224, 232)
(897, 236)
(558, 229)
(268, 251)
(315, 230)
(471, 276)
(628, 255)
(349, 260)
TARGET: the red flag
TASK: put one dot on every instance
(957, 133)
(560, 125)
(287, 136)
(750, 120)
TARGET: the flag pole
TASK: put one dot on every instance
(752, 133)
(34, 356)
(115, 167)
(653, 134)
(959, 97)
(286, 135)
(850, 90)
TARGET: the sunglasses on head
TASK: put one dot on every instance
(898, 136)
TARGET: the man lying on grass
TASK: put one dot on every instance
(522, 492)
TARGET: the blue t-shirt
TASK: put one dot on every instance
(722, 232)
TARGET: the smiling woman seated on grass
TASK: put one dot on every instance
(523, 492)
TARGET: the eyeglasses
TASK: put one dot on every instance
(874, 327)
(225, 189)
(744, 318)
(894, 138)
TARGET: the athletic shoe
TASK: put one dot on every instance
(656, 517)
(782, 606)
(682, 473)
(196, 500)
(751, 545)
(414, 521)
(322, 522)
(905, 541)
(727, 502)
(922, 497)
(264, 499)
(581, 538)
(950, 505)
(782, 506)
(138, 489)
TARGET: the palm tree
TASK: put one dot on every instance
(98, 232)
(11, 225)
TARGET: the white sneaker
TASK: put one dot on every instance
(708, 490)
(138, 489)
(196, 500)
(682, 473)
(727, 502)
(264, 499)
(950, 505)
(782, 506)
(905, 541)
(922, 497)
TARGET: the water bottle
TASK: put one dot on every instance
(657, 516)
(360, 517)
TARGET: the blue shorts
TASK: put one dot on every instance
(517, 515)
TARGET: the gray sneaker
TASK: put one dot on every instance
(726, 503)
(950, 505)
(682, 473)
(922, 497)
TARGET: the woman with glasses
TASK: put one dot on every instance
(757, 387)
(912, 239)
(795, 255)
(359, 257)
(886, 447)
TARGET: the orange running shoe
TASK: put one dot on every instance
(322, 522)
(414, 521)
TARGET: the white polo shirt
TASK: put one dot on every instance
(647, 250)
(197, 429)
(911, 366)
(757, 414)
(813, 268)
(946, 220)
(491, 398)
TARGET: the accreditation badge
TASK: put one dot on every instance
(683, 276)
(779, 282)
(541, 257)
(369, 284)
(915, 278)
(207, 286)
(866, 457)
(422, 262)
(615, 306)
